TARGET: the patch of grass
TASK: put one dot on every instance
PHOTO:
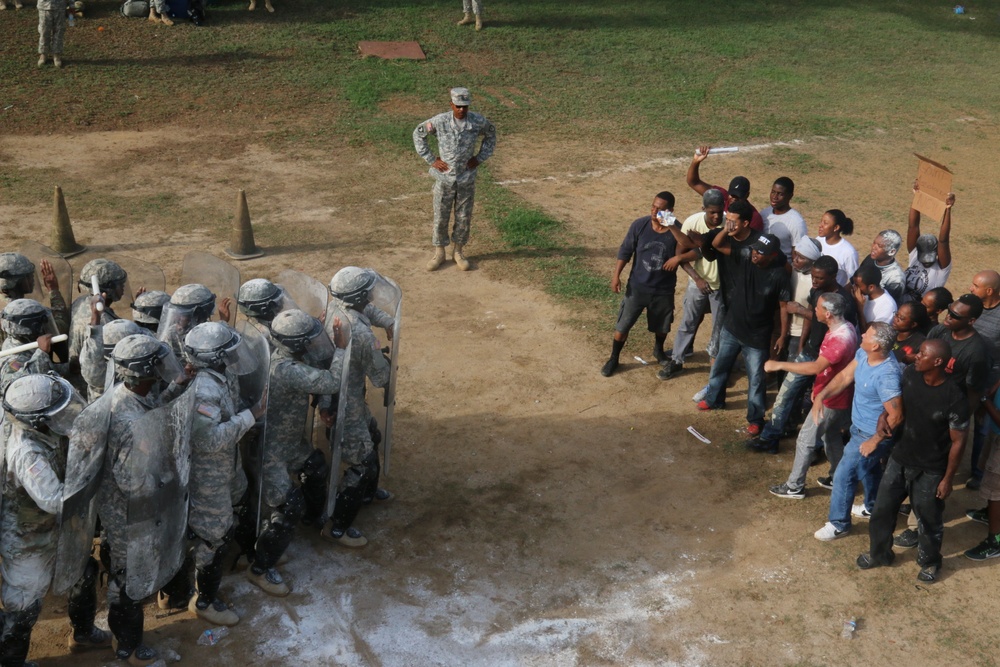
(528, 228)
(986, 240)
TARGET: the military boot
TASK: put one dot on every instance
(88, 641)
(466, 20)
(460, 260)
(437, 260)
(215, 612)
(165, 19)
(479, 22)
(269, 581)
(253, 5)
(41, 59)
(57, 61)
(268, 6)
(351, 538)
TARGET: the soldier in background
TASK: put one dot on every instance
(217, 480)
(352, 286)
(111, 281)
(454, 170)
(40, 410)
(27, 321)
(303, 363)
(472, 7)
(148, 308)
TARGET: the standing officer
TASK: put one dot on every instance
(454, 170)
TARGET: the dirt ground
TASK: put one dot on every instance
(544, 515)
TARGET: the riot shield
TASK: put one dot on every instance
(216, 274)
(84, 471)
(253, 382)
(335, 314)
(36, 252)
(140, 275)
(158, 468)
(387, 297)
(309, 294)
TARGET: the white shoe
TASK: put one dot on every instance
(859, 512)
(829, 532)
(700, 396)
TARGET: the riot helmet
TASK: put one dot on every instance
(26, 319)
(14, 269)
(115, 330)
(303, 336)
(215, 345)
(353, 286)
(260, 298)
(142, 357)
(110, 276)
(148, 307)
(44, 401)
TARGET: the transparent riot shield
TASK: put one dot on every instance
(337, 326)
(253, 387)
(84, 471)
(141, 275)
(309, 294)
(159, 467)
(36, 252)
(388, 298)
(216, 274)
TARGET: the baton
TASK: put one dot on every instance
(717, 151)
(95, 289)
(30, 346)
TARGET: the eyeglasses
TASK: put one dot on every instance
(955, 316)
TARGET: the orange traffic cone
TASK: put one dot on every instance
(241, 244)
(62, 240)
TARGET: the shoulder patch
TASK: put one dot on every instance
(37, 468)
(209, 411)
(15, 365)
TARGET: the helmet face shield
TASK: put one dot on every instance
(239, 358)
(318, 350)
(169, 367)
(61, 421)
(44, 400)
(27, 319)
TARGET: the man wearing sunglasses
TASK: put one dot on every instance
(970, 355)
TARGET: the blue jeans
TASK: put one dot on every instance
(853, 467)
(792, 388)
(753, 358)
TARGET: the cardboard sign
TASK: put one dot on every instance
(934, 180)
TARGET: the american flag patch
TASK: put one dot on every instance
(209, 411)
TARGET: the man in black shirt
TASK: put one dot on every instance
(970, 354)
(648, 244)
(923, 463)
(755, 285)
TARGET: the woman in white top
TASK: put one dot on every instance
(833, 227)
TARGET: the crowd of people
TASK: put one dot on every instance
(882, 370)
(147, 440)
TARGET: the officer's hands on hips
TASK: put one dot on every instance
(440, 165)
(472, 163)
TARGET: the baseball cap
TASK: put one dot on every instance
(927, 249)
(460, 97)
(767, 244)
(739, 187)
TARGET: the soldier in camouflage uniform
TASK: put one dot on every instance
(189, 306)
(40, 410)
(97, 349)
(472, 7)
(148, 307)
(454, 170)
(111, 280)
(139, 360)
(51, 30)
(17, 280)
(27, 321)
(217, 481)
(303, 363)
(351, 286)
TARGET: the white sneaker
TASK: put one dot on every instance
(700, 396)
(829, 532)
(859, 512)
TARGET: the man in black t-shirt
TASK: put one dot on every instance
(923, 463)
(755, 284)
(648, 244)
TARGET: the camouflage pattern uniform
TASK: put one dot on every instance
(455, 188)
(57, 304)
(285, 447)
(80, 331)
(217, 481)
(32, 497)
(51, 26)
(472, 7)
(23, 363)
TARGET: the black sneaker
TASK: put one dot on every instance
(662, 356)
(672, 369)
(609, 368)
(866, 562)
(825, 482)
(785, 491)
(973, 483)
(982, 516)
(906, 539)
(988, 548)
(929, 574)
(905, 509)
(761, 445)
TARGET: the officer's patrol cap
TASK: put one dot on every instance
(461, 97)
